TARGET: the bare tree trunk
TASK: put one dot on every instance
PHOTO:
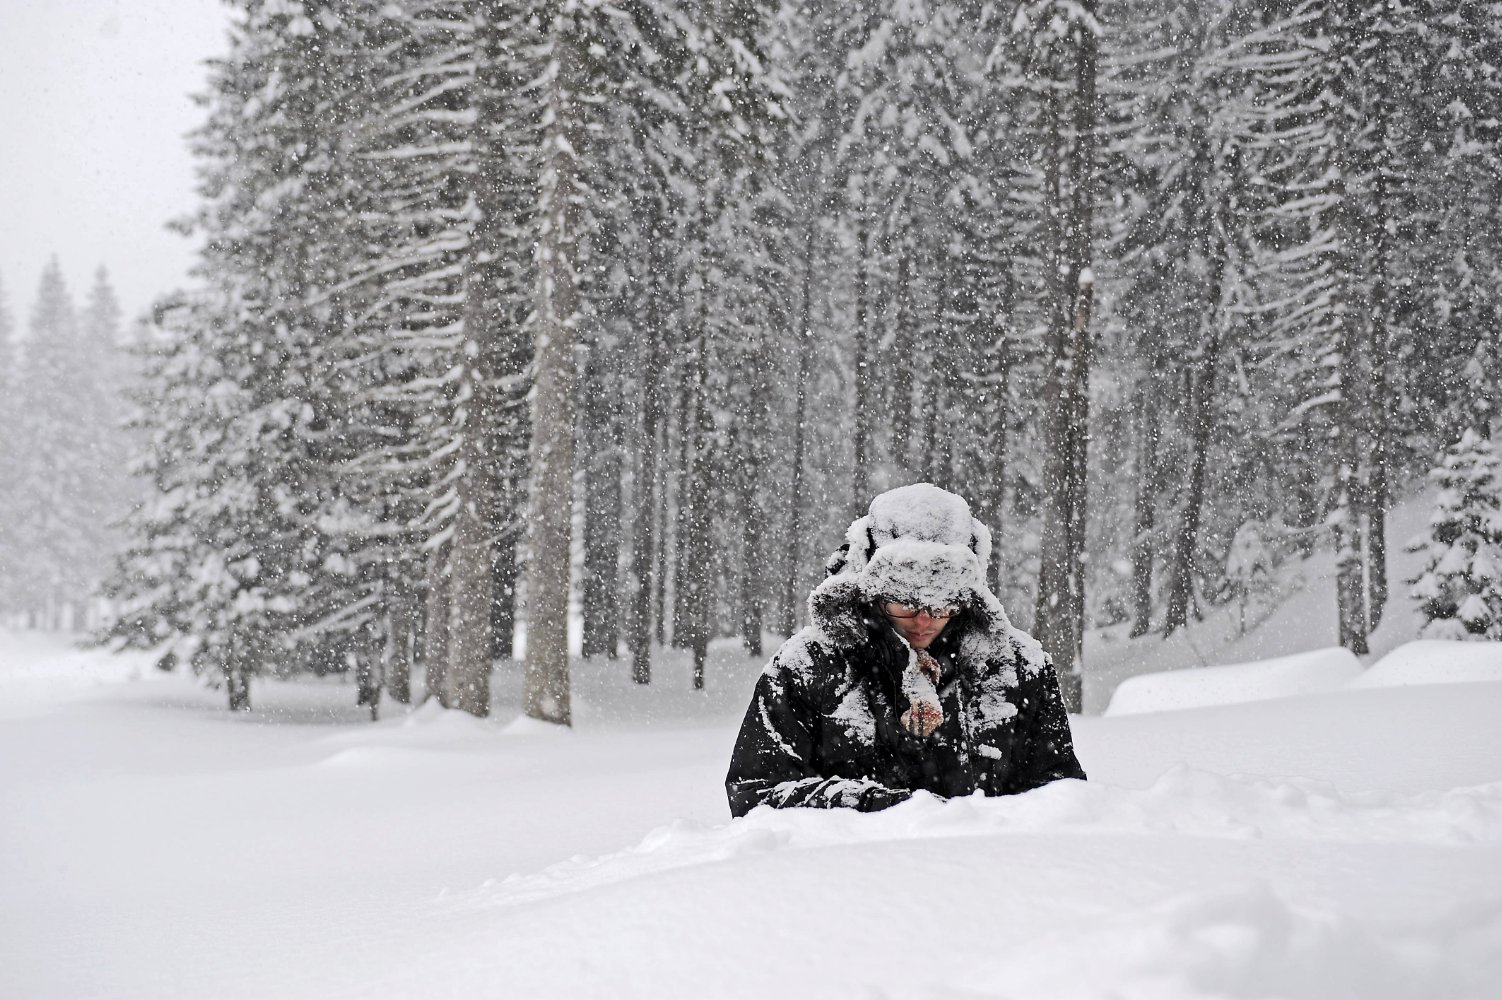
(682, 631)
(435, 629)
(238, 685)
(750, 576)
(902, 371)
(695, 581)
(661, 554)
(237, 676)
(399, 642)
(750, 579)
(1359, 414)
(992, 496)
(602, 515)
(696, 521)
(1060, 612)
(1145, 508)
(643, 541)
(550, 520)
(505, 574)
(1186, 539)
(804, 348)
(860, 487)
(369, 671)
(490, 350)
(1379, 350)
(467, 681)
(1052, 614)
(1202, 375)
(647, 494)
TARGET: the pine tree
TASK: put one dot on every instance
(1460, 588)
(1052, 55)
(53, 496)
(10, 458)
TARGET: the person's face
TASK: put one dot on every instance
(919, 626)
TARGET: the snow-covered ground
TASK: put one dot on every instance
(1344, 843)
(1297, 616)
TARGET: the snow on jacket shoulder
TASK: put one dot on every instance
(823, 728)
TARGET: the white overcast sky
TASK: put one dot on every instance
(94, 105)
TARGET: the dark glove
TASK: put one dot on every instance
(879, 797)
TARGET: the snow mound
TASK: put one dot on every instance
(1249, 940)
(1184, 801)
(1435, 661)
(431, 715)
(525, 725)
(1302, 673)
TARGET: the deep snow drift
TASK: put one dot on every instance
(1344, 843)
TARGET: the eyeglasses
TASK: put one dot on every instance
(902, 611)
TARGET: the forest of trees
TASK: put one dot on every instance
(65, 488)
(508, 308)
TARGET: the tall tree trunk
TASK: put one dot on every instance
(901, 377)
(466, 683)
(237, 683)
(750, 582)
(1202, 374)
(1352, 51)
(550, 516)
(1060, 611)
(683, 569)
(662, 553)
(647, 495)
(506, 573)
(488, 354)
(1145, 504)
(804, 348)
(750, 576)
(860, 482)
(992, 496)
(369, 670)
(602, 513)
(695, 580)
(1186, 538)
(399, 643)
(1379, 355)
(435, 627)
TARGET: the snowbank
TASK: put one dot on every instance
(1435, 661)
(1296, 613)
(1184, 802)
(154, 845)
(1302, 673)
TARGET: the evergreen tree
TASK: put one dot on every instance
(49, 482)
(1460, 587)
(727, 269)
(10, 459)
(1051, 55)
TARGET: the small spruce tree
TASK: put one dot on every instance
(1460, 588)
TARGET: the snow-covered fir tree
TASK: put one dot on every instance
(1460, 588)
(10, 492)
(1171, 257)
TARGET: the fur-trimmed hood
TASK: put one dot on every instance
(919, 546)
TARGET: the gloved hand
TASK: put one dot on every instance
(922, 720)
(919, 683)
(880, 797)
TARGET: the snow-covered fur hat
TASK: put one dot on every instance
(918, 546)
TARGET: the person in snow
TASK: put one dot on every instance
(909, 677)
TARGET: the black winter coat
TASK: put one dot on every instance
(823, 726)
